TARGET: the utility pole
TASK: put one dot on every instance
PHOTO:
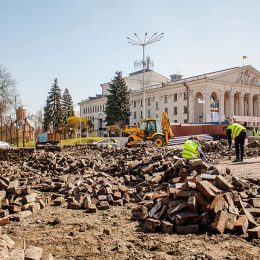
(138, 42)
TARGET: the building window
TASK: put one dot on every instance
(149, 101)
(185, 109)
(141, 102)
(165, 99)
(149, 113)
(157, 105)
(185, 96)
(175, 111)
(185, 121)
(166, 109)
(175, 121)
(84, 111)
(134, 115)
(141, 114)
(98, 108)
(134, 103)
(175, 97)
(103, 107)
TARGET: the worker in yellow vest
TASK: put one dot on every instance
(236, 132)
(256, 131)
(192, 150)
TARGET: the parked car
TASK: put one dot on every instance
(4, 145)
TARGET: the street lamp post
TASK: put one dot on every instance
(146, 41)
(80, 126)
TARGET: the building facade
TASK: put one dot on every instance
(211, 97)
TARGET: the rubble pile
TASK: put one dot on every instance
(17, 200)
(15, 154)
(192, 196)
(174, 195)
(95, 179)
(219, 149)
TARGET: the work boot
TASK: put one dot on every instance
(236, 160)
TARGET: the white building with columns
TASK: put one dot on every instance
(210, 97)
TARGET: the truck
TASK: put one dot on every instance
(48, 141)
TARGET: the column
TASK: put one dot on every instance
(258, 105)
(190, 107)
(231, 104)
(206, 110)
(241, 104)
(250, 104)
(221, 107)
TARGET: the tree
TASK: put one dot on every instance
(7, 93)
(53, 111)
(118, 101)
(73, 125)
(38, 121)
(67, 105)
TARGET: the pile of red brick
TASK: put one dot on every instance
(219, 149)
(17, 201)
(193, 196)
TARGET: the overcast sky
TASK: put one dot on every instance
(82, 42)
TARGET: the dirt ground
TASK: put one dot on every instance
(75, 234)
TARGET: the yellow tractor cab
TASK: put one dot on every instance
(150, 129)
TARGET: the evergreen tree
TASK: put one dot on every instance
(118, 101)
(67, 105)
(52, 110)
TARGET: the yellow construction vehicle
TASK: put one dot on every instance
(151, 129)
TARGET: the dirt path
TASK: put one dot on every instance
(111, 235)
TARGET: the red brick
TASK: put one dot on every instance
(223, 183)
(186, 218)
(231, 221)
(255, 202)
(241, 224)
(12, 187)
(204, 220)
(220, 222)
(251, 221)
(204, 188)
(173, 210)
(139, 213)
(217, 204)
(192, 204)
(167, 227)
(4, 221)
(104, 205)
(152, 225)
(188, 229)
(254, 232)
(155, 208)
(92, 208)
(202, 202)
(231, 206)
(254, 211)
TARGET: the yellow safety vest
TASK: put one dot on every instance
(255, 132)
(190, 149)
(236, 129)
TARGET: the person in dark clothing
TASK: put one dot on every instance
(237, 132)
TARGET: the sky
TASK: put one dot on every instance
(83, 42)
